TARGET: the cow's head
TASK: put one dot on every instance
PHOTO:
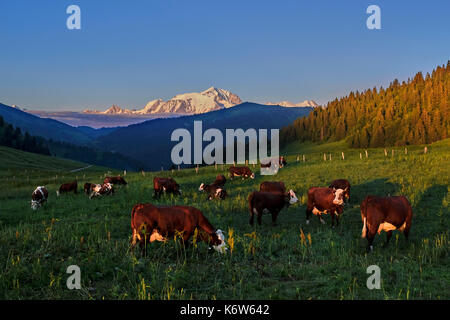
(338, 196)
(220, 193)
(252, 175)
(346, 193)
(35, 204)
(218, 241)
(202, 187)
(292, 197)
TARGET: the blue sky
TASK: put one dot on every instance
(130, 52)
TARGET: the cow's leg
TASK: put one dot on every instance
(320, 218)
(274, 218)
(259, 217)
(370, 237)
(308, 214)
(251, 218)
(332, 219)
(388, 237)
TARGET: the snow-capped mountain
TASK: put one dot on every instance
(288, 104)
(187, 103)
(112, 110)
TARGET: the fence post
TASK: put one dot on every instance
(330, 156)
(406, 150)
(298, 158)
(392, 152)
(304, 159)
(343, 156)
(367, 154)
(385, 152)
(178, 167)
(425, 150)
(324, 157)
(196, 169)
(360, 155)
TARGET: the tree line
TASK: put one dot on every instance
(14, 138)
(407, 113)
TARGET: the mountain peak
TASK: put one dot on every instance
(288, 104)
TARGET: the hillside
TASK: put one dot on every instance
(324, 263)
(43, 127)
(412, 112)
(150, 141)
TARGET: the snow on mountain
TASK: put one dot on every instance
(288, 104)
(187, 103)
(112, 110)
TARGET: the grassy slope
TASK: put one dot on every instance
(267, 262)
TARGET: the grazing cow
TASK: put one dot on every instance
(342, 184)
(68, 187)
(150, 223)
(385, 214)
(245, 172)
(101, 190)
(220, 180)
(266, 163)
(269, 202)
(213, 191)
(167, 185)
(88, 187)
(325, 200)
(115, 180)
(272, 186)
(39, 197)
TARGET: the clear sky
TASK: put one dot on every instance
(130, 52)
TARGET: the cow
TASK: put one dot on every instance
(272, 186)
(151, 223)
(267, 163)
(68, 187)
(245, 172)
(88, 187)
(385, 214)
(220, 180)
(167, 185)
(269, 202)
(101, 190)
(115, 180)
(213, 191)
(342, 184)
(39, 197)
(325, 200)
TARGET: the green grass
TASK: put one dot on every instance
(267, 262)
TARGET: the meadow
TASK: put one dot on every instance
(291, 260)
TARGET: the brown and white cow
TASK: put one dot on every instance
(243, 172)
(272, 186)
(267, 163)
(68, 187)
(151, 223)
(115, 180)
(269, 202)
(88, 187)
(213, 191)
(220, 180)
(385, 214)
(167, 185)
(341, 184)
(101, 190)
(323, 201)
(39, 197)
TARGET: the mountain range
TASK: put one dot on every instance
(193, 103)
(188, 103)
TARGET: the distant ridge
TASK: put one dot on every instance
(188, 103)
(288, 104)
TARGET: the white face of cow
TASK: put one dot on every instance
(202, 186)
(35, 204)
(338, 197)
(293, 198)
(218, 191)
(222, 246)
(252, 176)
(96, 187)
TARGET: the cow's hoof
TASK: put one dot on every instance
(307, 222)
(322, 221)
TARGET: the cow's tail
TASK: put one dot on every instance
(364, 218)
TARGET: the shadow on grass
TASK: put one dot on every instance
(378, 187)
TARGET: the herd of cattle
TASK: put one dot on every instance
(158, 223)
